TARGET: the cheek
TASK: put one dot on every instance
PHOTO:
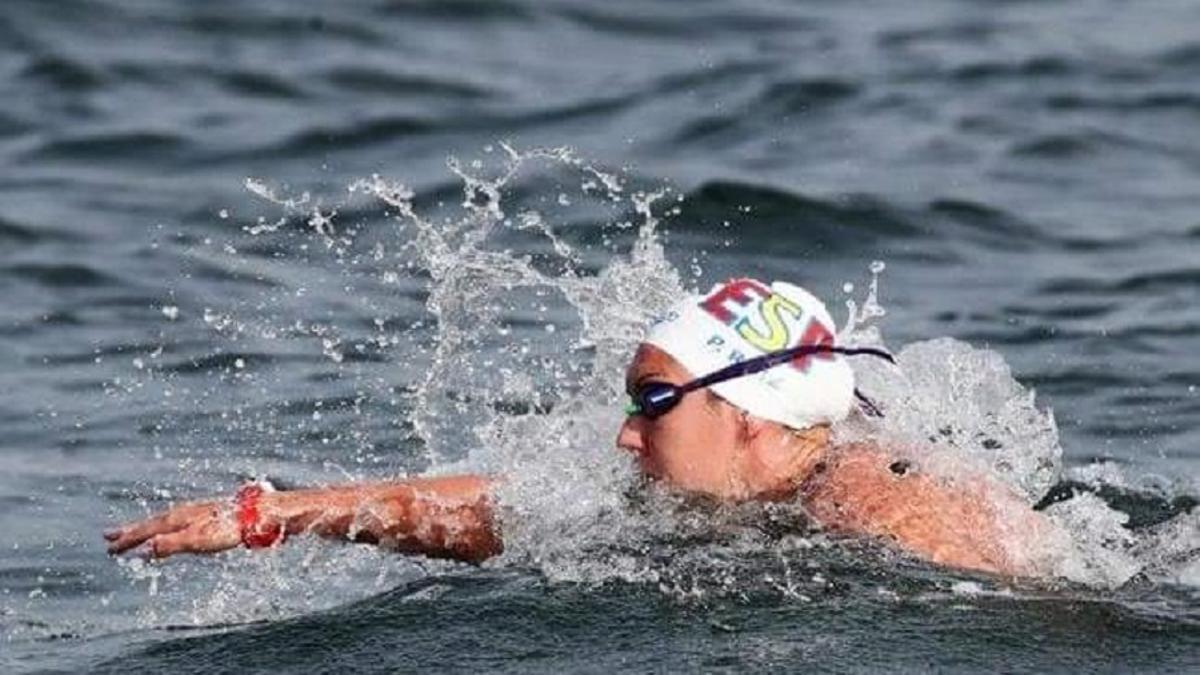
(690, 445)
(660, 442)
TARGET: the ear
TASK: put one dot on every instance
(750, 428)
(754, 426)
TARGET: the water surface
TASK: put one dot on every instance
(1028, 172)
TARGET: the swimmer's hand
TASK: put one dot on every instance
(197, 527)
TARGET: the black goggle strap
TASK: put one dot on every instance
(868, 407)
(761, 363)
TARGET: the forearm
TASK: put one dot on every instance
(450, 517)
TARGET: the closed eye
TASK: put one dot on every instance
(635, 385)
(642, 387)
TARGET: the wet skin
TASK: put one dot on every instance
(704, 445)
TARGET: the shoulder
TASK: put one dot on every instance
(971, 523)
(853, 479)
(860, 464)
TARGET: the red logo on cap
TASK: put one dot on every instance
(771, 308)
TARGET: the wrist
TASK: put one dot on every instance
(258, 526)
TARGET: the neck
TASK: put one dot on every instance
(784, 458)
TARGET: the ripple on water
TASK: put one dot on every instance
(270, 25)
(61, 275)
(108, 146)
(1031, 67)
(377, 81)
(259, 84)
(462, 11)
(779, 96)
(991, 226)
(14, 233)
(235, 360)
(764, 213)
(649, 21)
(809, 94)
(1059, 146)
(1186, 55)
(356, 133)
(1061, 310)
(973, 32)
(1132, 284)
(62, 73)
(1168, 99)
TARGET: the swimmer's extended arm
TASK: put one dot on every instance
(447, 517)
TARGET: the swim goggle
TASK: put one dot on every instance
(655, 399)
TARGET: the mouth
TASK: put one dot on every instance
(649, 465)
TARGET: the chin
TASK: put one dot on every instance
(650, 467)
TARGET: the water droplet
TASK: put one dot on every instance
(171, 312)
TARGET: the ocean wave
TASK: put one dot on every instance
(1187, 55)
(1029, 67)
(61, 275)
(462, 11)
(1181, 99)
(62, 73)
(14, 233)
(969, 31)
(985, 223)
(772, 215)
(107, 146)
(944, 225)
(807, 94)
(1130, 283)
(646, 21)
(379, 81)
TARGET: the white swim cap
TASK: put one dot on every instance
(744, 318)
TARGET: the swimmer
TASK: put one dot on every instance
(733, 395)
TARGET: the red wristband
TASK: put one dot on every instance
(255, 533)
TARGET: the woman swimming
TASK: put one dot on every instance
(733, 396)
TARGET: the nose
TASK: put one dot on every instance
(631, 437)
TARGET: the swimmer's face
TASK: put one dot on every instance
(695, 446)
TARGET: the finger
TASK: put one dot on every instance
(132, 534)
(207, 538)
(135, 534)
(164, 545)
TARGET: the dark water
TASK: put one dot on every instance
(1028, 171)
